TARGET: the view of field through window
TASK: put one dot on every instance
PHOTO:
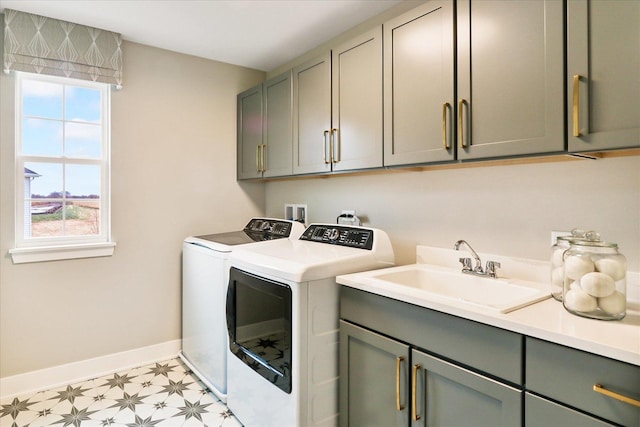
(62, 149)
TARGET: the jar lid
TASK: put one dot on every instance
(578, 235)
(594, 244)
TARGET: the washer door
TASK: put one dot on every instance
(259, 325)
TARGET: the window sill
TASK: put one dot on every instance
(55, 253)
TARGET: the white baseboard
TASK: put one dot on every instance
(83, 370)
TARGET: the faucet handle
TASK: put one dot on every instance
(491, 268)
(466, 264)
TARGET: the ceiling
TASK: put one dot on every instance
(260, 34)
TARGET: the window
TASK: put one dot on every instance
(62, 168)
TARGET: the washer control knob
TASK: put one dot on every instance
(334, 234)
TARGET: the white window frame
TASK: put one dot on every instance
(35, 249)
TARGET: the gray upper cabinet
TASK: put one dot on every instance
(356, 135)
(510, 78)
(249, 104)
(312, 115)
(337, 108)
(277, 133)
(603, 72)
(419, 85)
(265, 129)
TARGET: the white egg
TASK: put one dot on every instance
(577, 266)
(556, 257)
(597, 284)
(579, 300)
(615, 303)
(615, 268)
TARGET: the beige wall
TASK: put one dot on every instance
(173, 175)
(506, 210)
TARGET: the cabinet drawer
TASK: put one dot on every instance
(484, 348)
(568, 375)
(539, 412)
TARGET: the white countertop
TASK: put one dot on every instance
(547, 320)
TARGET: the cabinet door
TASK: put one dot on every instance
(249, 133)
(419, 85)
(357, 102)
(540, 412)
(277, 134)
(510, 78)
(603, 67)
(373, 379)
(312, 116)
(445, 395)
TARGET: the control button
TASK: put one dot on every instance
(334, 234)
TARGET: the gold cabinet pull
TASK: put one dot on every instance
(414, 398)
(445, 140)
(460, 122)
(399, 405)
(599, 388)
(263, 158)
(326, 133)
(335, 152)
(258, 158)
(576, 105)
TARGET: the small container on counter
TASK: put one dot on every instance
(557, 257)
(595, 280)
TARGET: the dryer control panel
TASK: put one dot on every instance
(353, 237)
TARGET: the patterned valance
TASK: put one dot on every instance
(42, 45)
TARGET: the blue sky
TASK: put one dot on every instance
(59, 123)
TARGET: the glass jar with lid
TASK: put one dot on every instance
(561, 245)
(595, 280)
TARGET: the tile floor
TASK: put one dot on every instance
(164, 394)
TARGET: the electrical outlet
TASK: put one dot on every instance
(296, 212)
(556, 234)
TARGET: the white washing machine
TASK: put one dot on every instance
(205, 274)
(283, 322)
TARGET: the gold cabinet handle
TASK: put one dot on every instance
(445, 140)
(399, 405)
(414, 398)
(263, 158)
(257, 158)
(460, 122)
(576, 105)
(599, 388)
(326, 133)
(335, 152)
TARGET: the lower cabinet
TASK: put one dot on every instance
(603, 387)
(541, 412)
(405, 365)
(388, 383)
(374, 384)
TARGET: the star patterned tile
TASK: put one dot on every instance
(165, 394)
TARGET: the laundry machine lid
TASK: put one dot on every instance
(322, 251)
(256, 230)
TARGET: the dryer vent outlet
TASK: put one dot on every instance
(296, 212)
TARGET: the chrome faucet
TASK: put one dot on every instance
(490, 270)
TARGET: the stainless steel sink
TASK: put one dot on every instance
(444, 284)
